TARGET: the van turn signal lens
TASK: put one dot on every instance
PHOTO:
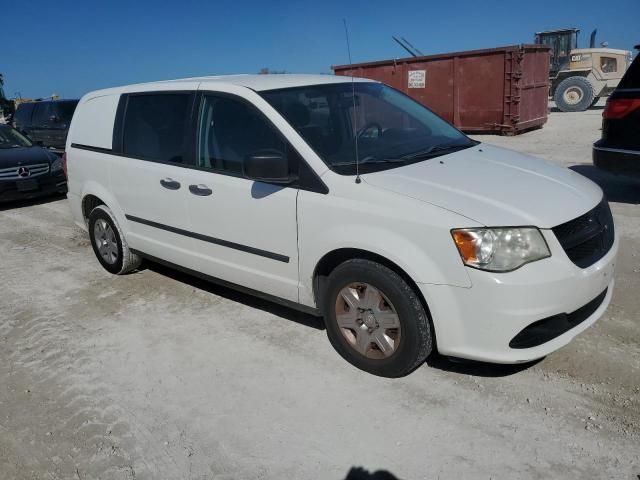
(466, 243)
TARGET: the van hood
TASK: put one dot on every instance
(495, 187)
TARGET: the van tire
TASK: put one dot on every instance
(415, 333)
(575, 87)
(123, 260)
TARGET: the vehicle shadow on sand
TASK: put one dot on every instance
(31, 202)
(617, 188)
(237, 296)
(555, 109)
(475, 368)
(435, 360)
(359, 473)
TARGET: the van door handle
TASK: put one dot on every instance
(170, 183)
(201, 190)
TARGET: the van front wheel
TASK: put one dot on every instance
(375, 320)
(109, 243)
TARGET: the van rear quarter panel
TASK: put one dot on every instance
(93, 121)
(88, 171)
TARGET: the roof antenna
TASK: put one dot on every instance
(355, 111)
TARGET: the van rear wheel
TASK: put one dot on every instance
(375, 320)
(109, 244)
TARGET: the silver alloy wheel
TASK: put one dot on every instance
(105, 239)
(573, 95)
(368, 320)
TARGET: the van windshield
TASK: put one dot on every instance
(391, 128)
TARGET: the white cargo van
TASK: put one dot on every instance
(348, 200)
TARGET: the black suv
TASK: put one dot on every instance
(47, 122)
(618, 151)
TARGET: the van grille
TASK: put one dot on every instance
(13, 173)
(589, 237)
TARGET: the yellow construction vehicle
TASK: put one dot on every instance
(581, 76)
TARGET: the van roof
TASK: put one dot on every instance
(254, 82)
(277, 80)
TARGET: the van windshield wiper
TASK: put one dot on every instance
(383, 160)
(431, 151)
(426, 153)
(369, 160)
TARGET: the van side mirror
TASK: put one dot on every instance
(269, 166)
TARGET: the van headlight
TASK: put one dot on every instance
(500, 249)
(56, 165)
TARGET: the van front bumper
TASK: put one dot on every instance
(522, 315)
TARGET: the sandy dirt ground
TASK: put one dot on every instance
(159, 375)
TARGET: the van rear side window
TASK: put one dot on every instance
(155, 127)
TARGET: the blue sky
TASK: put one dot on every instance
(71, 47)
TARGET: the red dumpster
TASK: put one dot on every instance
(502, 89)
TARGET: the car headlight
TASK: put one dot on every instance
(56, 165)
(500, 249)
